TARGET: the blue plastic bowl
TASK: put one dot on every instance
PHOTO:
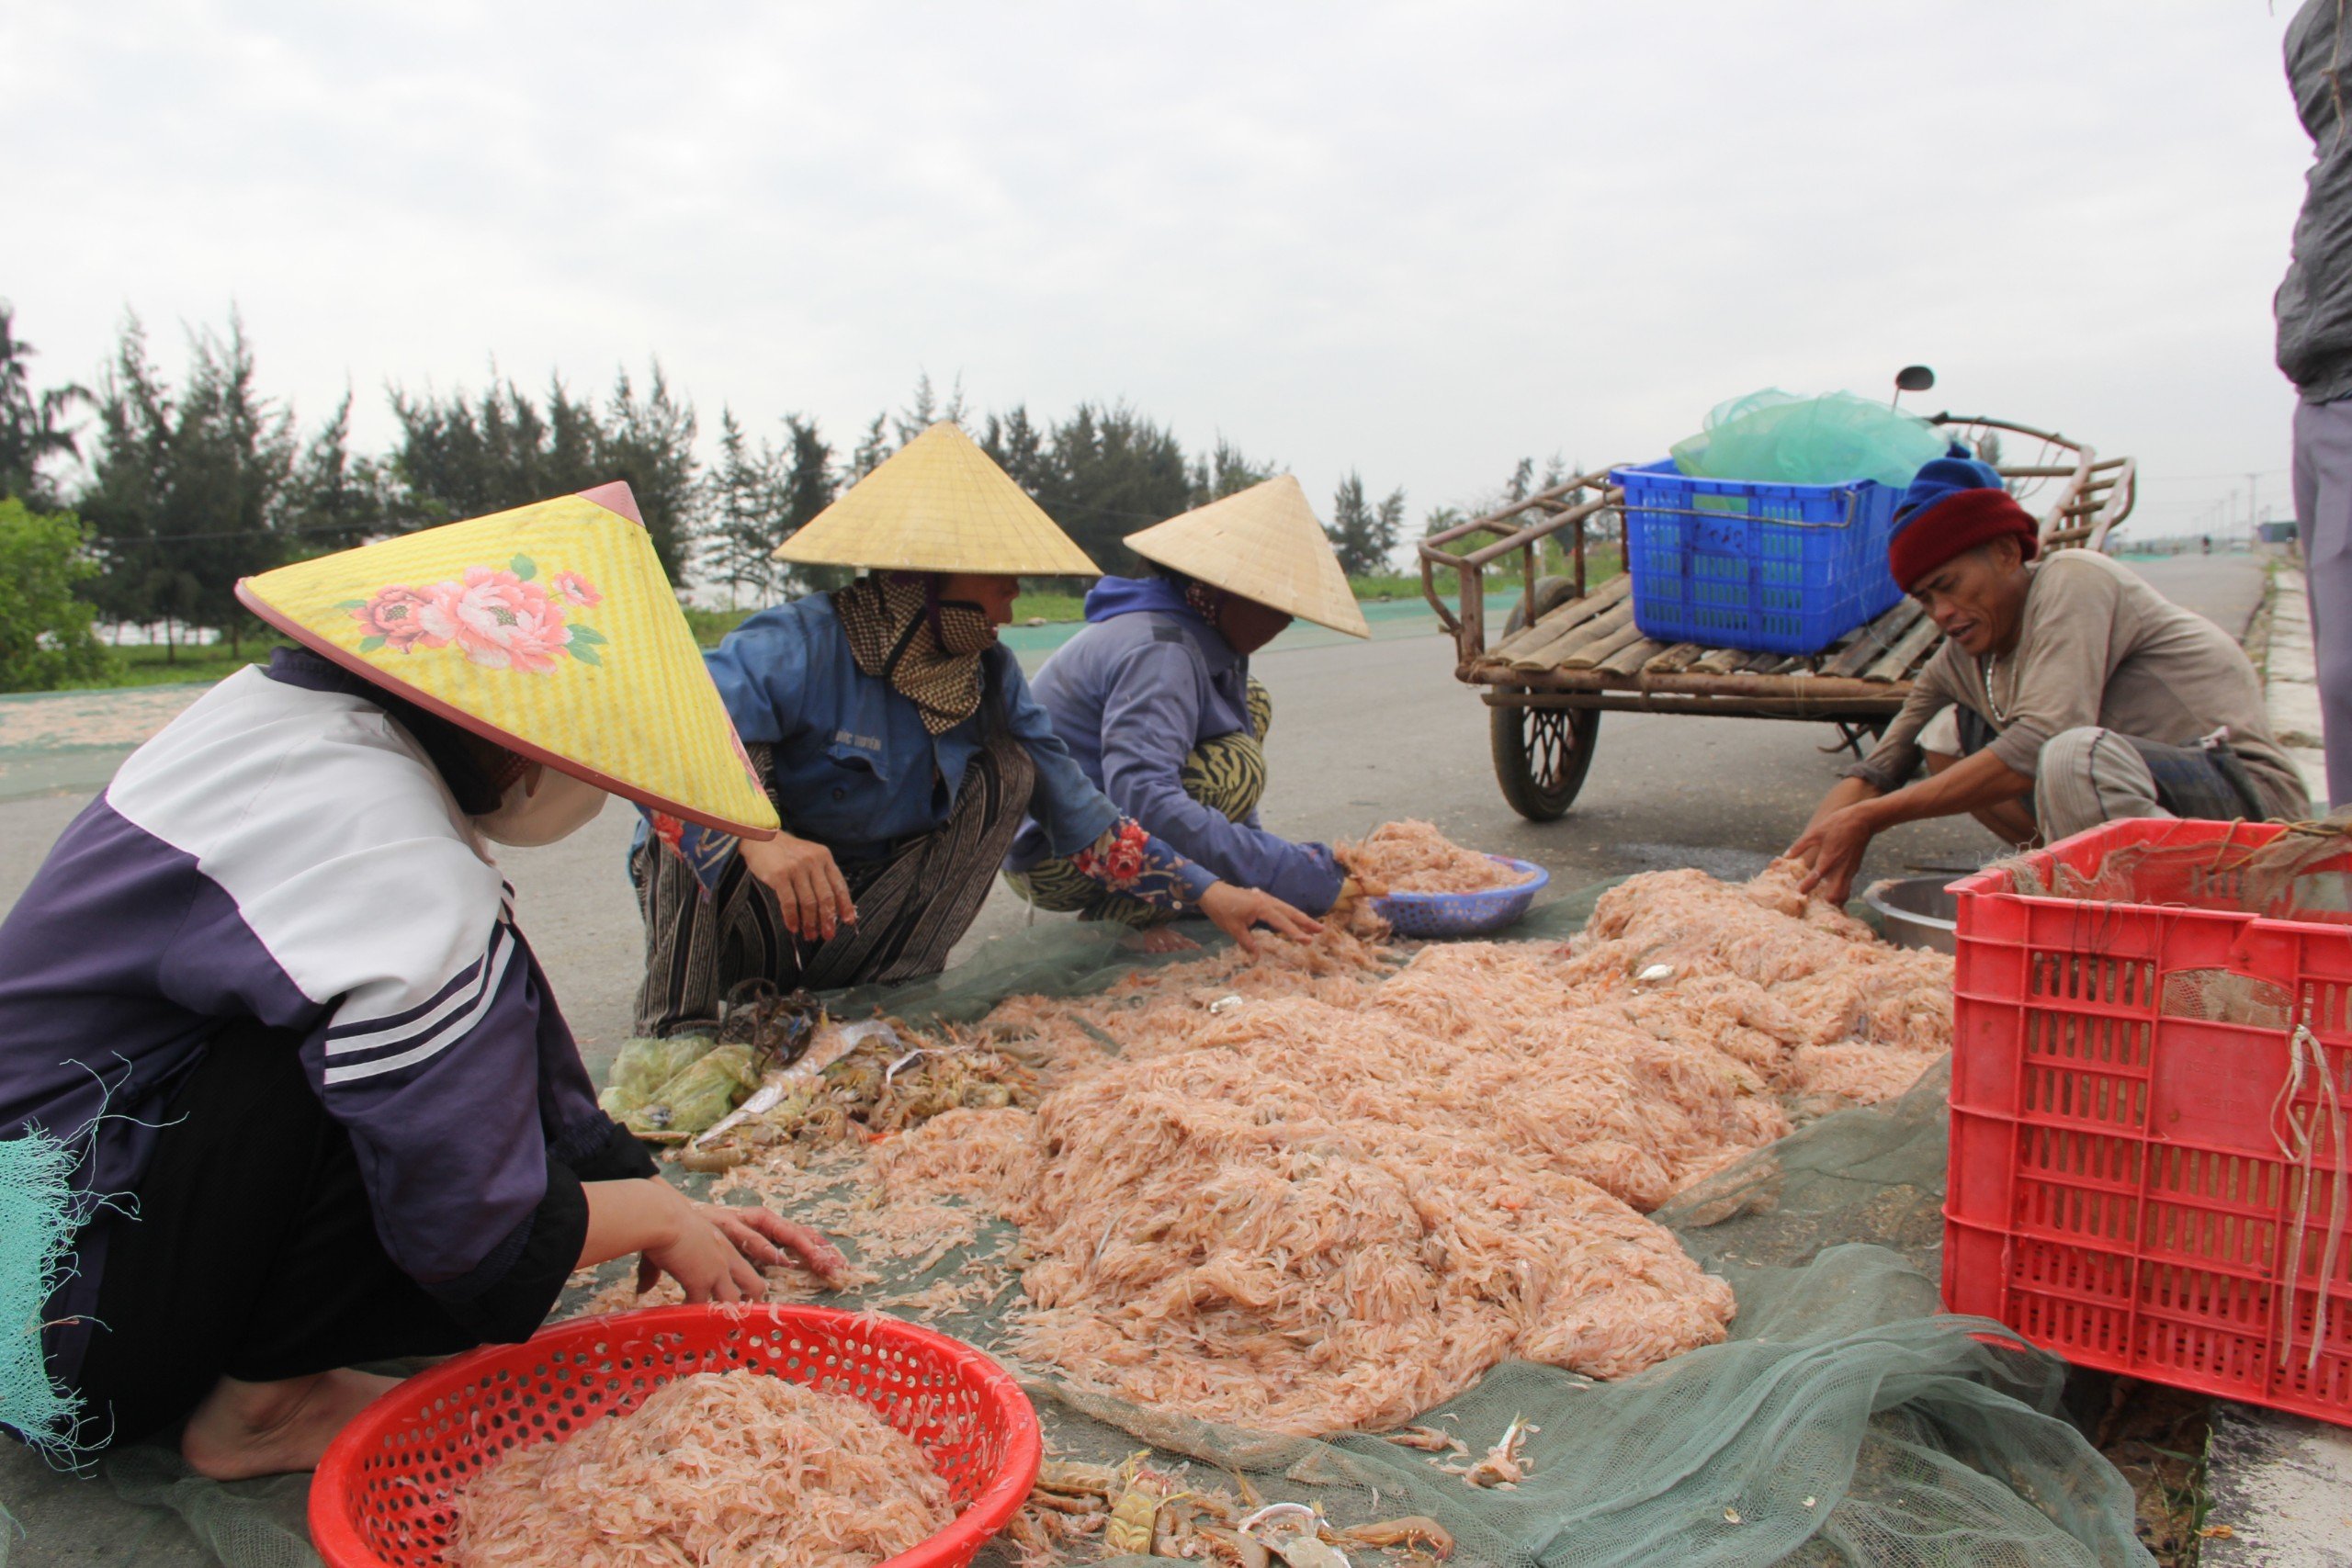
(1462, 914)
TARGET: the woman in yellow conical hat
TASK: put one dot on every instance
(269, 993)
(1155, 700)
(903, 751)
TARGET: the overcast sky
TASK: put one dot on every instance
(1422, 239)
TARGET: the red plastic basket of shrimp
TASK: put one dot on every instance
(392, 1489)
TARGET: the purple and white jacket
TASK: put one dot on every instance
(286, 851)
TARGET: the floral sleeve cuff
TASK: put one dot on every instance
(1127, 859)
(705, 850)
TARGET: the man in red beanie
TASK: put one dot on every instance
(2067, 692)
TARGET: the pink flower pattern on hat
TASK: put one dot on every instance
(391, 614)
(499, 618)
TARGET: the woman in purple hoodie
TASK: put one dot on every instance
(1155, 701)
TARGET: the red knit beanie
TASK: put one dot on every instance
(1958, 523)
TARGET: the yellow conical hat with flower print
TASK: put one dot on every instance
(939, 503)
(550, 630)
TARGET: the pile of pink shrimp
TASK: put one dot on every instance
(723, 1470)
(1319, 1191)
(1413, 857)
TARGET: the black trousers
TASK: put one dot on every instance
(251, 1252)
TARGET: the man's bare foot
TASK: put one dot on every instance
(1159, 939)
(245, 1429)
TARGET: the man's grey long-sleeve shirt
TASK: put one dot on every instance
(2314, 302)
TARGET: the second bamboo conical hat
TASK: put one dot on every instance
(1263, 543)
(939, 503)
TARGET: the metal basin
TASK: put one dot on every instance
(1916, 912)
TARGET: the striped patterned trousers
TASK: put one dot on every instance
(913, 907)
(1225, 773)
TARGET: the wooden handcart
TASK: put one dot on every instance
(1567, 654)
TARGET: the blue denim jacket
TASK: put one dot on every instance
(852, 765)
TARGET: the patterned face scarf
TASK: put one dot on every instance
(929, 650)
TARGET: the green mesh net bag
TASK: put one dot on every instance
(1776, 437)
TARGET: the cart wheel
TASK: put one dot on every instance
(1542, 756)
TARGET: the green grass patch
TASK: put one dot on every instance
(1048, 607)
(146, 665)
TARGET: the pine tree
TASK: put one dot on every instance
(1112, 471)
(745, 514)
(1018, 446)
(1361, 533)
(459, 458)
(1224, 471)
(186, 488)
(872, 450)
(334, 500)
(922, 410)
(650, 441)
(808, 488)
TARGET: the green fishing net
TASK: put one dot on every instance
(1776, 438)
(1844, 1421)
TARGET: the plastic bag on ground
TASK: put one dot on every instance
(643, 1066)
(714, 1084)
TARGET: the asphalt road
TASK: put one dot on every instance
(1364, 733)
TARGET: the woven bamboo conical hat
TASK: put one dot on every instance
(550, 630)
(939, 503)
(1262, 543)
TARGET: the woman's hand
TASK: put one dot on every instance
(1237, 910)
(808, 886)
(717, 1251)
(714, 1251)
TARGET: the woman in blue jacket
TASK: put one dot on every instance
(902, 750)
(1155, 700)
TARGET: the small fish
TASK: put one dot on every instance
(763, 1099)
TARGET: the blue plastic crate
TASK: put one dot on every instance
(1774, 568)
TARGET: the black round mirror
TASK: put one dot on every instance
(1914, 379)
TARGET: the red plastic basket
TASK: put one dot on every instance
(382, 1494)
(2118, 1193)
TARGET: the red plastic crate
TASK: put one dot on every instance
(2117, 1191)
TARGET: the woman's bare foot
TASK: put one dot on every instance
(245, 1429)
(1159, 939)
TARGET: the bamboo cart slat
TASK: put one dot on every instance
(1626, 635)
(1902, 660)
(1879, 635)
(1610, 626)
(1531, 642)
(1634, 658)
